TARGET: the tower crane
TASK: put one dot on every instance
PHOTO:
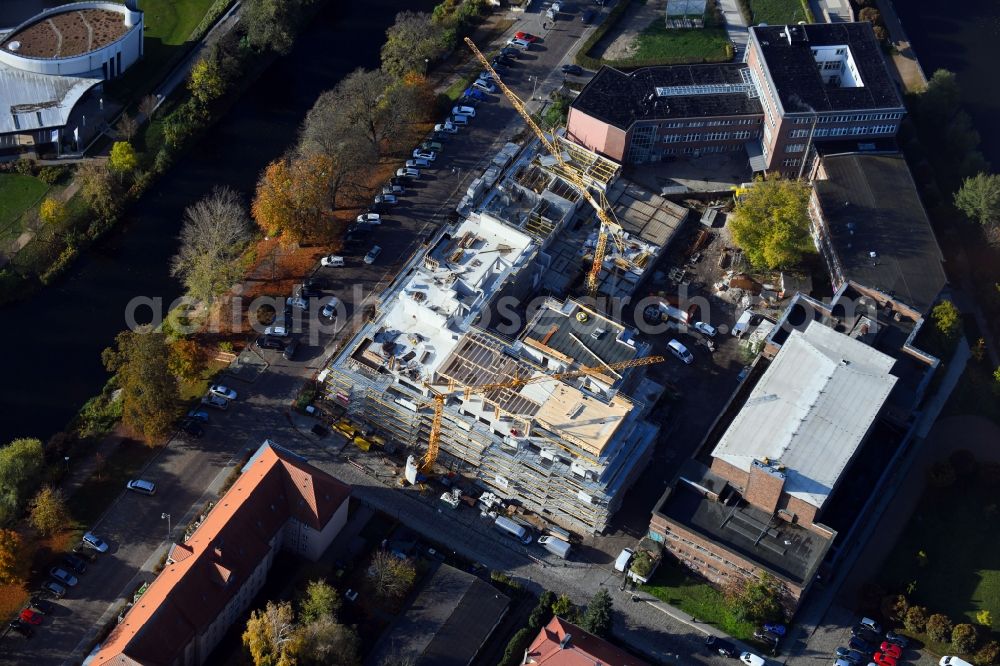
(440, 397)
(609, 225)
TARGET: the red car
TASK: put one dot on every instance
(883, 659)
(29, 616)
(891, 650)
(526, 36)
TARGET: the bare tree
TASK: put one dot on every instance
(216, 231)
(323, 641)
(128, 127)
(390, 577)
(147, 105)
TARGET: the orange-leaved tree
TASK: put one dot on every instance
(292, 196)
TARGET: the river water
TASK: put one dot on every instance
(963, 38)
(53, 342)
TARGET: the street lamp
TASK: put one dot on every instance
(166, 517)
(67, 464)
(534, 83)
(427, 63)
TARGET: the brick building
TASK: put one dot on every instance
(278, 502)
(562, 643)
(799, 85)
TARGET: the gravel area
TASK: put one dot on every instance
(636, 19)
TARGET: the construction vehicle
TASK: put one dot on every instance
(609, 225)
(440, 397)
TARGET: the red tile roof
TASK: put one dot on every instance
(220, 556)
(580, 649)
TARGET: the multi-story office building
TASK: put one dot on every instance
(799, 85)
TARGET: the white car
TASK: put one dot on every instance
(386, 199)
(373, 254)
(418, 162)
(463, 111)
(297, 302)
(276, 331)
(331, 260)
(680, 351)
(519, 43)
(330, 308)
(424, 154)
(222, 391)
(485, 86)
(407, 172)
(141, 486)
(705, 328)
(750, 659)
(91, 540)
(446, 127)
(216, 401)
(370, 218)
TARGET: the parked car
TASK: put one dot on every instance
(897, 639)
(85, 553)
(418, 163)
(91, 540)
(723, 648)
(433, 146)
(53, 589)
(680, 351)
(750, 659)
(193, 428)
(408, 172)
(29, 616)
(197, 415)
(420, 153)
(587, 16)
(276, 331)
(768, 637)
(575, 70)
(526, 36)
(373, 254)
(871, 624)
(386, 199)
(297, 302)
(389, 188)
(891, 649)
(510, 52)
(141, 486)
(63, 576)
(864, 633)
(861, 645)
(369, 218)
(707, 329)
(223, 391)
(309, 288)
(330, 307)
(43, 606)
(446, 128)
(331, 260)
(75, 563)
(268, 342)
(21, 628)
(463, 111)
(290, 350)
(215, 401)
(883, 659)
(624, 559)
(486, 86)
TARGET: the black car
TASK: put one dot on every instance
(768, 637)
(267, 342)
(75, 563)
(510, 52)
(289, 352)
(309, 288)
(575, 70)
(85, 552)
(587, 16)
(22, 628)
(41, 605)
(861, 645)
(864, 633)
(192, 427)
(897, 639)
(720, 646)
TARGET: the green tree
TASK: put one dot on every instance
(598, 618)
(979, 199)
(390, 577)
(771, 223)
(543, 611)
(48, 511)
(323, 642)
(519, 642)
(564, 608)
(122, 160)
(10, 547)
(215, 234)
(946, 318)
(53, 212)
(205, 81)
(964, 638)
(411, 42)
(270, 24)
(22, 463)
(141, 362)
(916, 619)
(320, 600)
(939, 627)
(755, 598)
(99, 189)
(984, 617)
(270, 635)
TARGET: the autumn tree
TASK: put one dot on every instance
(390, 577)
(292, 196)
(771, 223)
(187, 359)
(598, 617)
(939, 627)
(323, 641)
(149, 392)
(216, 232)
(320, 600)
(411, 42)
(979, 199)
(916, 619)
(127, 126)
(48, 511)
(10, 546)
(99, 189)
(53, 212)
(964, 638)
(946, 318)
(270, 635)
(205, 82)
(22, 463)
(147, 105)
(122, 160)
(755, 598)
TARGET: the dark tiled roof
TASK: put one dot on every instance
(797, 78)
(871, 204)
(621, 99)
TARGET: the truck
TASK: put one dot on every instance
(508, 526)
(555, 545)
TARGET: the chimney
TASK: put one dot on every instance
(564, 643)
(764, 485)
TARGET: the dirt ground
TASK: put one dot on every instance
(637, 18)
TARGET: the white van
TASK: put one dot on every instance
(743, 323)
(505, 524)
(953, 661)
(750, 659)
(555, 545)
(624, 559)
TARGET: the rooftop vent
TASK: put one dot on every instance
(564, 643)
(14, 46)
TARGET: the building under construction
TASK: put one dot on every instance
(567, 449)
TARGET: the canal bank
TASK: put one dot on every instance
(60, 333)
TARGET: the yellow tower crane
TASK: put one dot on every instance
(608, 224)
(441, 397)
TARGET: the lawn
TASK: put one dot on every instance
(96, 494)
(169, 24)
(695, 597)
(17, 194)
(657, 44)
(777, 12)
(958, 532)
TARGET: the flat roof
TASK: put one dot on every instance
(797, 79)
(556, 330)
(782, 547)
(870, 204)
(447, 622)
(811, 410)
(68, 33)
(646, 215)
(621, 99)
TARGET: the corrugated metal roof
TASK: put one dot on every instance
(810, 410)
(38, 101)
